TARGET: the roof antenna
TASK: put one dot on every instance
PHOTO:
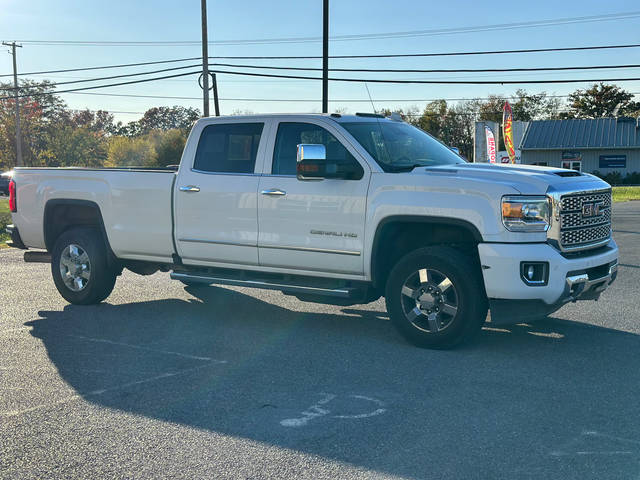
(370, 99)
(384, 142)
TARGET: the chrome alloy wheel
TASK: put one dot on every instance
(75, 267)
(429, 300)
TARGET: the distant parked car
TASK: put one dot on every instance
(4, 182)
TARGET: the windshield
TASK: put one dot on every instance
(398, 146)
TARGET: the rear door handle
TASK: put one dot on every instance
(190, 188)
(274, 192)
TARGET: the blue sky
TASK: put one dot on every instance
(144, 20)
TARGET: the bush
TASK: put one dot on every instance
(130, 152)
(616, 178)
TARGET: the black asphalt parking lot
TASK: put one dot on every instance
(163, 381)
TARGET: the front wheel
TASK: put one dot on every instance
(80, 267)
(435, 297)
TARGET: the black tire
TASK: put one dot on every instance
(101, 278)
(437, 263)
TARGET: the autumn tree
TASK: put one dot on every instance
(601, 100)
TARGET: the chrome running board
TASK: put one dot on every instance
(342, 292)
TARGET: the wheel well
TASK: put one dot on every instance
(61, 215)
(394, 239)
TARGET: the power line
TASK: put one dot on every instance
(356, 80)
(431, 82)
(439, 70)
(298, 57)
(437, 54)
(531, 69)
(38, 94)
(105, 67)
(351, 37)
(113, 76)
(345, 100)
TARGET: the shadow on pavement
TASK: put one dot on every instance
(556, 399)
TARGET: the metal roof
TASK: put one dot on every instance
(601, 133)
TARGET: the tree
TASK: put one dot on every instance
(40, 111)
(130, 152)
(169, 147)
(168, 118)
(99, 121)
(73, 147)
(601, 100)
(433, 118)
(527, 107)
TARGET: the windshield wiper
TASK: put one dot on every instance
(403, 168)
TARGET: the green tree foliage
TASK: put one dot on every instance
(73, 147)
(131, 152)
(537, 106)
(40, 111)
(601, 100)
(161, 118)
(169, 146)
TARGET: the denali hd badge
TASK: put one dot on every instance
(591, 209)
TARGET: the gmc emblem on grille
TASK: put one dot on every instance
(591, 209)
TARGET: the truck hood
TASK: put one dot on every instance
(527, 179)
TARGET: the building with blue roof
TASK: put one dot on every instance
(604, 144)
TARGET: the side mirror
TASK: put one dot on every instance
(312, 164)
(311, 161)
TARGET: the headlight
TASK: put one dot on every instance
(526, 213)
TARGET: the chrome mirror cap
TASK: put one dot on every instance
(311, 151)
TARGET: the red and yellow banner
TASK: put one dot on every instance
(507, 131)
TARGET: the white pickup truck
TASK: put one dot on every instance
(335, 209)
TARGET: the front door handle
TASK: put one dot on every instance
(190, 188)
(274, 192)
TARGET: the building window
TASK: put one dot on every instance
(613, 161)
(572, 165)
(540, 164)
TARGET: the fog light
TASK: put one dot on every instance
(534, 274)
(530, 272)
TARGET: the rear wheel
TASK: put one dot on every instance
(80, 268)
(435, 297)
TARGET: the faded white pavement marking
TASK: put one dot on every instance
(567, 451)
(148, 349)
(208, 360)
(318, 410)
(14, 413)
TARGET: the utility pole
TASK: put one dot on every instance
(325, 56)
(216, 105)
(13, 46)
(205, 61)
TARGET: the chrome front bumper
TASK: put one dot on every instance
(590, 284)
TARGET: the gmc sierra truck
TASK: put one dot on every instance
(334, 209)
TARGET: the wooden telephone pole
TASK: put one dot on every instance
(325, 56)
(205, 60)
(13, 46)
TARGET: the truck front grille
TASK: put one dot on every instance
(585, 220)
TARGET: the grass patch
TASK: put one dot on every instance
(5, 219)
(624, 194)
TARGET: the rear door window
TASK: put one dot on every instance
(228, 148)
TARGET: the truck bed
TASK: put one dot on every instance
(135, 204)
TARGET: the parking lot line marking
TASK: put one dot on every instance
(319, 410)
(93, 393)
(148, 349)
